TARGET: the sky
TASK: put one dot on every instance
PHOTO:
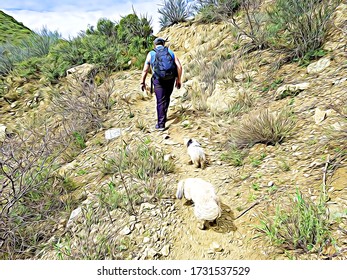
(69, 17)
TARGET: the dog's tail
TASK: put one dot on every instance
(180, 189)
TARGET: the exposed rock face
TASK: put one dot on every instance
(81, 75)
(221, 99)
(82, 71)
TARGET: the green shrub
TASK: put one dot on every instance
(133, 26)
(105, 27)
(303, 226)
(110, 46)
(79, 140)
(111, 197)
(29, 68)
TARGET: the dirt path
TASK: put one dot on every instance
(230, 238)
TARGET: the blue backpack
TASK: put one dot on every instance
(164, 66)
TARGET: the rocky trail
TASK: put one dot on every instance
(168, 229)
(162, 227)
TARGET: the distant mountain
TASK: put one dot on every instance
(10, 29)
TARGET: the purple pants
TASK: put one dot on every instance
(163, 90)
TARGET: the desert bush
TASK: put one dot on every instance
(208, 11)
(340, 106)
(173, 12)
(82, 106)
(208, 77)
(253, 25)
(41, 42)
(262, 127)
(300, 27)
(208, 73)
(30, 191)
(304, 225)
(338, 135)
(6, 63)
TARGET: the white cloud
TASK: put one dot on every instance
(60, 5)
(70, 20)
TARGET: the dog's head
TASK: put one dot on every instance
(189, 142)
(192, 142)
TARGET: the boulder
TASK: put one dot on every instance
(318, 66)
(221, 99)
(81, 74)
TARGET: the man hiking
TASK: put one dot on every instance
(166, 73)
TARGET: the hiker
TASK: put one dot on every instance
(166, 73)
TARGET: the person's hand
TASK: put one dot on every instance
(178, 84)
(143, 86)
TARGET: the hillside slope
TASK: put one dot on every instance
(10, 29)
(110, 212)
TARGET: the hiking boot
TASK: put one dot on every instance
(159, 128)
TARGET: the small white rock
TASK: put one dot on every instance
(165, 251)
(125, 231)
(113, 133)
(216, 247)
(146, 240)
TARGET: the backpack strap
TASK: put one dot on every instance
(153, 74)
(152, 79)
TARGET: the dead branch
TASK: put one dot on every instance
(249, 208)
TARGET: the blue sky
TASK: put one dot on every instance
(69, 17)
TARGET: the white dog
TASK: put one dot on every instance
(206, 202)
(196, 153)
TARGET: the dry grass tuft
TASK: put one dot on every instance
(263, 127)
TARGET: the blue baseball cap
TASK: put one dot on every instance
(159, 40)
